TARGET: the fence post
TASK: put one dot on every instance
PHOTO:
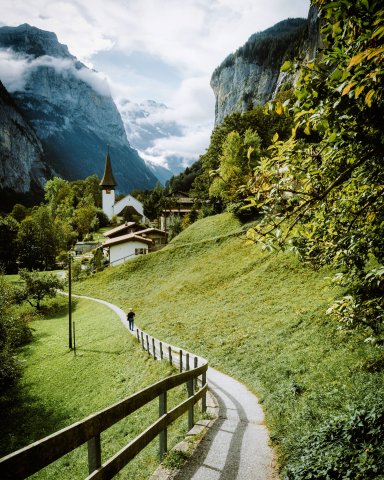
(164, 433)
(153, 348)
(195, 366)
(190, 410)
(94, 453)
(187, 361)
(181, 360)
(204, 398)
(161, 351)
(138, 335)
(148, 345)
(142, 340)
(170, 355)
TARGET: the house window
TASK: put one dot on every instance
(140, 251)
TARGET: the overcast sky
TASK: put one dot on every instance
(163, 50)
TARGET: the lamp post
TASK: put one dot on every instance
(70, 300)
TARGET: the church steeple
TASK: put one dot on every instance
(108, 181)
(108, 184)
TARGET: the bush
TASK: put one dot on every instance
(10, 370)
(348, 446)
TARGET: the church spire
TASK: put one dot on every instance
(108, 181)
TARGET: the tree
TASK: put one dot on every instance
(9, 228)
(39, 240)
(326, 193)
(38, 286)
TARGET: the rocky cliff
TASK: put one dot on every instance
(71, 110)
(23, 170)
(251, 76)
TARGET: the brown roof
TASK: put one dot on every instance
(108, 179)
(152, 230)
(125, 225)
(126, 238)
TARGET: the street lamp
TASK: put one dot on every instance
(70, 300)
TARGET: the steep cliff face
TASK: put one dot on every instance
(252, 76)
(22, 167)
(71, 110)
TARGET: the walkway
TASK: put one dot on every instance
(236, 446)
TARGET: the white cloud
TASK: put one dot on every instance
(15, 69)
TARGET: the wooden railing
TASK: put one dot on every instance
(31, 459)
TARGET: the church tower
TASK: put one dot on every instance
(108, 184)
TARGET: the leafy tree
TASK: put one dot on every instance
(9, 228)
(154, 202)
(326, 193)
(86, 216)
(19, 212)
(239, 158)
(38, 286)
(39, 240)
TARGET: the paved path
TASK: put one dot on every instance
(236, 446)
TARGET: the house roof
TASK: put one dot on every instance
(108, 179)
(152, 230)
(118, 229)
(132, 237)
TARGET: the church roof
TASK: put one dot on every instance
(108, 179)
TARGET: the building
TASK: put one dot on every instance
(126, 247)
(109, 205)
(177, 204)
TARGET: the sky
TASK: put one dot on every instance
(161, 50)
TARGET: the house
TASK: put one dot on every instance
(158, 237)
(126, 247)
(124, 229)
(177, 204)
(108, 184)
(130, 239)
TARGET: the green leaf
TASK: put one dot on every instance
(287, 65)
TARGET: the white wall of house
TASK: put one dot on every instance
(122, 252)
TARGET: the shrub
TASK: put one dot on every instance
(348, 446)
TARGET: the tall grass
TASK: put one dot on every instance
(257, 316)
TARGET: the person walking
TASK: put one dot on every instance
(130, 318)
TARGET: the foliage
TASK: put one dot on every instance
(9, 228)
(14, 332)
(39, 240)
(38, 286)
(348, 446)
(252, 123)
(154, 202)
(326, 192)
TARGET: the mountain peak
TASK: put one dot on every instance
(33, 41)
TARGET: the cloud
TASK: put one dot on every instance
(15, 70)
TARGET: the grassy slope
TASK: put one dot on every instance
(59, 388)
(257, 316)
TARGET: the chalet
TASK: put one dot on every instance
(124, 229)
(177, 204)
(126, 247)
(122, 242)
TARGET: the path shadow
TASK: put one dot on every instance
(229, 470)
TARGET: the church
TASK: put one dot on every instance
(109, 205)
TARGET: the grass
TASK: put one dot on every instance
(60, 388)
(257, 316)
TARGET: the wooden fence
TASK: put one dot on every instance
(31, 459)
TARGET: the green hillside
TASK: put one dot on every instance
(259, 317)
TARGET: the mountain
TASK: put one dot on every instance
(71, 110)
(251, 76)
(23, 169)
(145, 123)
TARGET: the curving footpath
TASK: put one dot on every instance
(236, 445)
